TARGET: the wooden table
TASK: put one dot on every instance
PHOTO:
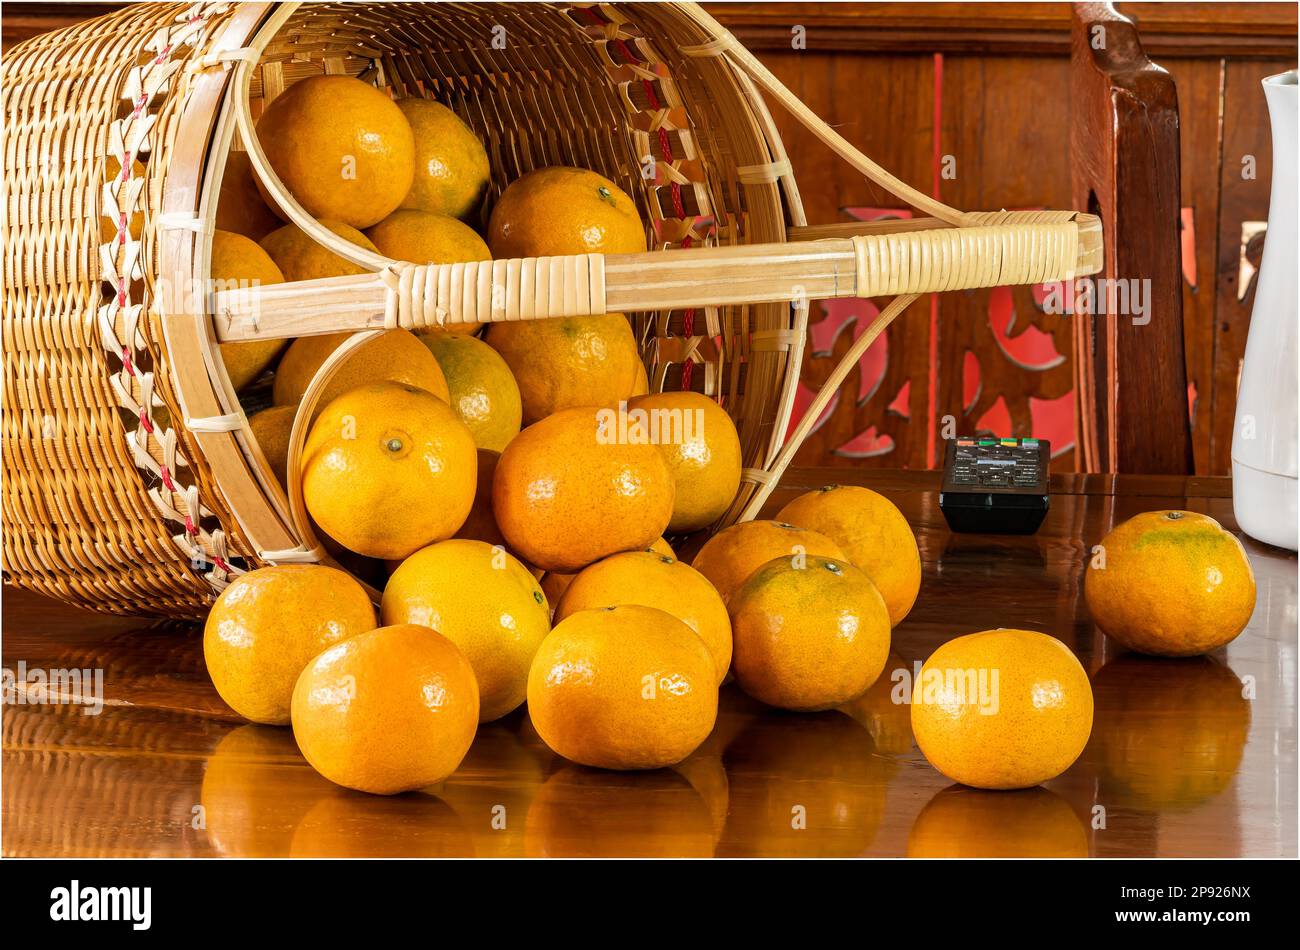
(1179, 762)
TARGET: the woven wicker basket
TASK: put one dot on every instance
(132, 483)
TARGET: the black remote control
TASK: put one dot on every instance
(995, 486)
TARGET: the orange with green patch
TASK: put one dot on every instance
(809, 633)
(562, 210)
(730, 556)
(1170, 583)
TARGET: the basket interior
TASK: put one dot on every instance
(606, 88)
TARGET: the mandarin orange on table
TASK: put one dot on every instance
(873, 534)
(484, 601)
(702, 448)
(730, 556)
(561, 210)
(808, 633)
(1002, 709)
(392, 710)
(1170, 583)
(625, 687)
(652, 579)
(342, 148)
(566, 494)
(267, 624)
(388, 469)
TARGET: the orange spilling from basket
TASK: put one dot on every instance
(517, 483)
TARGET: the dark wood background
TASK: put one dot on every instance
(984, 87)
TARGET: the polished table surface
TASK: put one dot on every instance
(1192, 757)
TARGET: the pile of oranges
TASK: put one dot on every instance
(522, 534)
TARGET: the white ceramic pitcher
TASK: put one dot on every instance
(1264, 446)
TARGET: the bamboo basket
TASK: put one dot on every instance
(132, 483)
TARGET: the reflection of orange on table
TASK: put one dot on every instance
(963, 822)
(1169, 734)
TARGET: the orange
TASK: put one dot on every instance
(565, 495)
(481, 525)
(238, 261)
(580, 813)
(1002, 709)
(560, 210)
(972, 823)
(702, 448)
(395, 355)
(1170, 733)
(482, 390)
(268, 623)
(272, 428)
(809, 633)
(873, 534)
(451, 164)
(1170, 583)
(240, 207)
(482, 600)
(422, 237)
(555, 583)
(299, 257)
(730, 556)
(388, 469)
(623, 688)
(654, 580)
(388, 711)
(568, 362)
(341, 147)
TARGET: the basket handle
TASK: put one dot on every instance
(302, 420)
(1005, 248)
(240, 103)
(814, 411)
